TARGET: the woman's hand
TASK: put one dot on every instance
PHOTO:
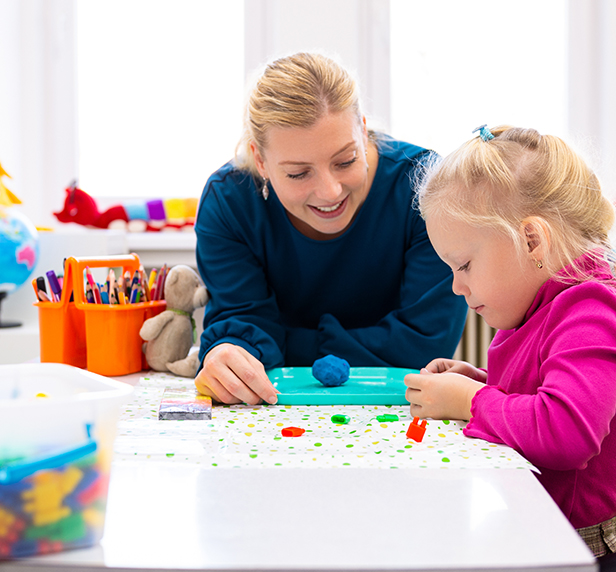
(446, 395)
(232, 375)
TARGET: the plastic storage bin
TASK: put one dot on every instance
(57, 427)
(102, 338)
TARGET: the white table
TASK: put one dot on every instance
(186, 516)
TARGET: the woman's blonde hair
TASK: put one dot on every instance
(294, 91)
(520, 174)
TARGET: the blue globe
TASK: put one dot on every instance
(19, 249)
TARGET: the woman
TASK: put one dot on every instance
(309, 244)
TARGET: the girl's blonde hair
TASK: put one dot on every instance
(294, 91)
(519, 174)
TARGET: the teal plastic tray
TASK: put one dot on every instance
(365, 386)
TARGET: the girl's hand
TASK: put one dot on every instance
(232, 375)
(443, 365)
(441, 395)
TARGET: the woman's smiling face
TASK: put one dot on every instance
(320, 173)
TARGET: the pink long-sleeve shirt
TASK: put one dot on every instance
(551, 394)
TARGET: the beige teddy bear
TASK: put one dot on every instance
(169, 335)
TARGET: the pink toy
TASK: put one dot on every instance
(158, 214)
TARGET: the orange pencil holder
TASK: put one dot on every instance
(101, 338)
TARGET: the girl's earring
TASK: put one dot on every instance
(265, 190)
(539, 263)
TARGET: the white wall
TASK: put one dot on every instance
(38, 144)
(592, 83)
(354, 31)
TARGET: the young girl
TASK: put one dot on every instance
(521, 220)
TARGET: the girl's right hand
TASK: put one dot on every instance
(443, 365)
(232, 375)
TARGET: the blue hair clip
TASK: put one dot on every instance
(484, 132)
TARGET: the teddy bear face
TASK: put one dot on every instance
(184, 289)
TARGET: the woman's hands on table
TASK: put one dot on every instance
(231, 375)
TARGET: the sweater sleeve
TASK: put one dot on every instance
(560, 426)
(242, 309)
(428, 323)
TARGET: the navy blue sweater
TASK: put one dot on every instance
(378, 295)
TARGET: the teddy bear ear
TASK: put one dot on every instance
(172, 277)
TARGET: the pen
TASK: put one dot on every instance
(54, 285)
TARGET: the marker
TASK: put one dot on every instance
(43, 297)
(40, 284)
(56, 289)
(40, 295)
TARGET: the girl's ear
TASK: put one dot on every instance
(258, 160)
(536, 233)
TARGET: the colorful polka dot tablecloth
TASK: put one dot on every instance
(251, 436)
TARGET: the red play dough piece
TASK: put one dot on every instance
(293, 431)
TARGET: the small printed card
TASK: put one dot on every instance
(179, 404)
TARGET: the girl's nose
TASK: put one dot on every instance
(458, 286)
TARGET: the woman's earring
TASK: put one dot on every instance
(265, 190)
(539, 263)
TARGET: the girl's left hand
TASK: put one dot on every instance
(440, 395)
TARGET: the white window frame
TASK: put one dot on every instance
(37, 54)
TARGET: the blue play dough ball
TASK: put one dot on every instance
(331, 371)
